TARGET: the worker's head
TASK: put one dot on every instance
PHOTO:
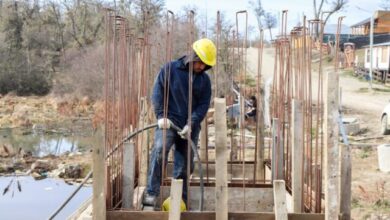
(206, 54)
(199, 66)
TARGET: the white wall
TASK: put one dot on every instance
(377, 61)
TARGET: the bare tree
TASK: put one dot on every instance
(259, 12)
(148, 13)
(83, 21)
(385, 4)
(334, 7)
(270, 22)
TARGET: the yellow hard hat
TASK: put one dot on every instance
(206, 51)
(167, 205)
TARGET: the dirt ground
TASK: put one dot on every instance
(370, 187)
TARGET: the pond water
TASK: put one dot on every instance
(41, 143)
(38, 199)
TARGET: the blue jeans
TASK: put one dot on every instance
(180, 159)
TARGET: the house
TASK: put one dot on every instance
(381, 57)
(381, 24)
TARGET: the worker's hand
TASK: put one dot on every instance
(164, 123)
(184, 132)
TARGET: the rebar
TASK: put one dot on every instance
(127, 83)
(170, 16)
(293, 80)
(242, 74)
(191, 22)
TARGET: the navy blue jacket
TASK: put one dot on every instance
(178, 94)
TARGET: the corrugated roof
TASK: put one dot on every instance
(378, 45)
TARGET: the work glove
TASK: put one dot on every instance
(184, 132)
(162, 125)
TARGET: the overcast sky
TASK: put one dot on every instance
(355, 11)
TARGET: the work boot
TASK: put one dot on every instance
(149, 200)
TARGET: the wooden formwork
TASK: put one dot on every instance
(259, 201)
(137, 215)
(229, 193)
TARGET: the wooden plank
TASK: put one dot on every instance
(331, 148)
(256, 199)
(98, 199)
(203, 140)
(221, 192)
(280, 200)
(138, 196)
(128, 175)
(277, 152)
(345, 185)
(176, 191)
(143, 144)
(297, 155)
(138, 215)
(234, 169)
(260, 171)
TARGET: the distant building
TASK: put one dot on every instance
(381, 24)
(381, 57)
(330, 32)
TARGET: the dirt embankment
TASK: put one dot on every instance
(48, 114)
(47, 111)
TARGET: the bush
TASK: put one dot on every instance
(15, 77)
(82, 74)
(34, 83)
(7, 83)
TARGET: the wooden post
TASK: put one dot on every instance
(260, 171)
(99, 199)
(176, 191)
(143, 145)
(331, 148)
(280, 200)
(297, 155)
(221, 186)
(345, 185)
(277, 152)
(128, 175)
(203, 140)
(345, 174)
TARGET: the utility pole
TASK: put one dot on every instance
(371, 46)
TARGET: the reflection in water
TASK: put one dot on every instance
(42, 144)
(38, 199)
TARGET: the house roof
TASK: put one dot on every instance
(376, 15)
(365, 21)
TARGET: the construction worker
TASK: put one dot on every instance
(203, 57)
(252, 105)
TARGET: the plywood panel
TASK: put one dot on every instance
(257, 199)
(136, 215)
